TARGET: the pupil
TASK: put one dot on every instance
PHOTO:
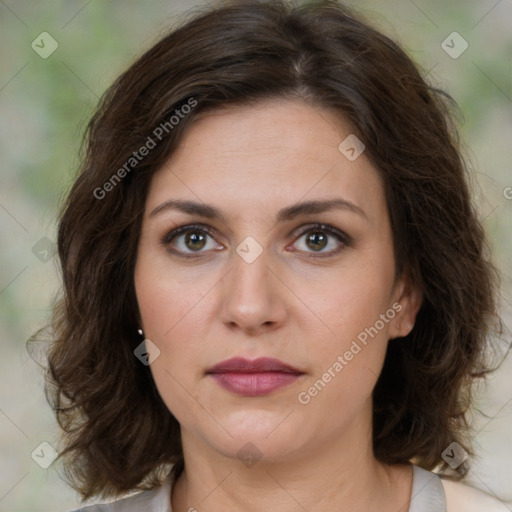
(317, 239)
(195, 239)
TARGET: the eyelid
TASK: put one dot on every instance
(343, 238)
(166, 239)
(302, 230)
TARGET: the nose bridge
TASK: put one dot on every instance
(251, 298)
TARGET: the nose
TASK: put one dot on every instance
(253, 298)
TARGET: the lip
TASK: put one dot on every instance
(258, 377)
(260, 365)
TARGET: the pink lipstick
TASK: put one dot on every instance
(259, 377)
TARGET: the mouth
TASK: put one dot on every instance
(259, 377)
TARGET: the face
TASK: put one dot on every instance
(268, 269)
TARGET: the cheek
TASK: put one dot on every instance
(167, 301)
(166, 306)
(348, 360)
(173, 319)
(347, 300)
(177, 312)
(350, 354)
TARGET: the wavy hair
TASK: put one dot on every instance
(118, 435)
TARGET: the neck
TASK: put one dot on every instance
(340, 473)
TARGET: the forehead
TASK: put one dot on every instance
(269, 127)
(263, 155)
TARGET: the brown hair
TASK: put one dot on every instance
(119, 435)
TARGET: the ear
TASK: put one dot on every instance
(408, 295)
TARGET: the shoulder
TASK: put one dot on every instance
(155, 500)
(463, 498)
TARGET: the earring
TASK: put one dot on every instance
(141, 332)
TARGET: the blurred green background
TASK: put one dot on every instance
(45, 105)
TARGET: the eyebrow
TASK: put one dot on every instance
(285, 214)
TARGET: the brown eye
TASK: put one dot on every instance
(194, 240)
(187, 240)
(316, 240)
(318, 237)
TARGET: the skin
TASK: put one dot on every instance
(250, 162)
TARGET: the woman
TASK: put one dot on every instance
(276, 294)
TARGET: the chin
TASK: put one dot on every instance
(261, 436)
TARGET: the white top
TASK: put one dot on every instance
(430, 493)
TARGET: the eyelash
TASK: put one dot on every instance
(342, 237)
